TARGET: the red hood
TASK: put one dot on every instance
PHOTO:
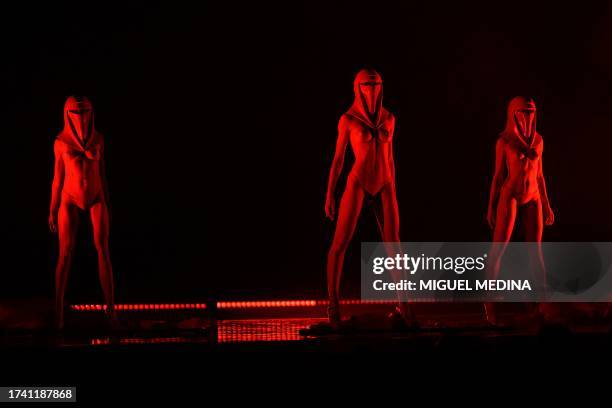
(359, 108)
(78, 132)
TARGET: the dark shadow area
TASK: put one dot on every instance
(221, 121)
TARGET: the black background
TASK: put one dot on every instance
(220, 125)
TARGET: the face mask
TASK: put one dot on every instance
(79, 120)
(80, 123)
(524, 122)
(370, 92)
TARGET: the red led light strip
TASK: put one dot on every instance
(142, 306)
(252, 304)
(290, 303)
(265, 304)
(107, 341)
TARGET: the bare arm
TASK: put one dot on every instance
(56, 186)
(336, 167)
(391, 154)
(498, 179)
(103, 176)
(549, 217)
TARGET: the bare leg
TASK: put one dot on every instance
(350, 207)
(389, 224)
(68, 219)
(100, 223)
(534, 226)
(504, 224)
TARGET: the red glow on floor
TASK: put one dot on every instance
(239, 331)
(229, 331)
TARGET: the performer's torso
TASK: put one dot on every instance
(523, 170)
(372, 149)
(82, 178)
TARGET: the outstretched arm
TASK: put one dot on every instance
(56, 186)
(336, 167)
(549, 217)
(498, 179)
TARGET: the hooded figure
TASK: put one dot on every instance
(518, 192)
(368, 128)
(520, 129)
(79, 130)
(79, 186)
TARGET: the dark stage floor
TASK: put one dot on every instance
(271, 328)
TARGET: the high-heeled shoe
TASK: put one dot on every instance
(325, 328)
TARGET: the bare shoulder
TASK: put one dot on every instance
(59, 145)
(540, 141)
(501, 143)
(346, 123)
(390, 117)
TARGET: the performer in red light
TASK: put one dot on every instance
(79, 185)
(369, 128)
(518, 187)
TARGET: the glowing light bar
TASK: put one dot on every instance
(292, 303)
(249, 304)
(107, 341)
(142, 306)
(265, 304)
